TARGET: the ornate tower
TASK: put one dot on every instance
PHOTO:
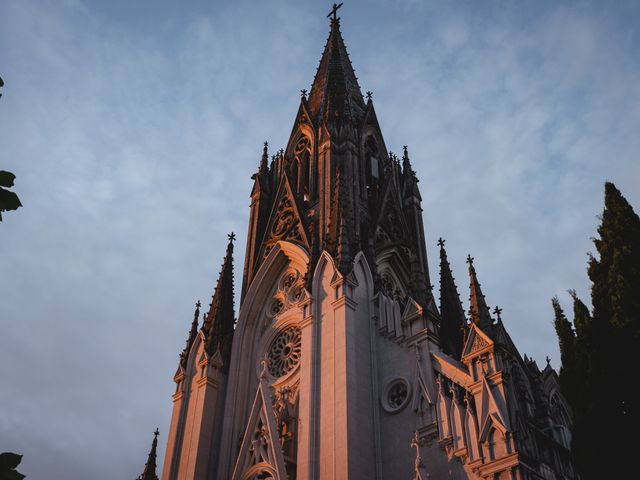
(340, 364)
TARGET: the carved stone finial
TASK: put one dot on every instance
(264, 363)
(441, 242)
(303, 93)
(548, 361)
(418, 465)
(497, 311)
(231, 236)
(470, 260)
(198, 305)
(156, 433)
(369, 95)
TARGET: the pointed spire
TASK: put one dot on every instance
(192, 336)
(406, 163)
(335, 84)
(150, 467)
(219, 322)
(478, 309)
(264, 161)
(453, 322)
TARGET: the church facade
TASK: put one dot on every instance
(341, 363)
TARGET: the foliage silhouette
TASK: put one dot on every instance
(8, 464)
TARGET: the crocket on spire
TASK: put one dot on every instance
(453, 322)
(192, 336)
(478, 309)
(218, 325)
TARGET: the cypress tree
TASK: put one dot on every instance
(598, 373)
(583, 402)
(567, 340)
(614, 333)
(616, 274)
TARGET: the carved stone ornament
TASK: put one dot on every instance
(478, 343)
(284, 352)
(286, 225)
(290, 292)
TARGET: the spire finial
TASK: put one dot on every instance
(441, 242)
(333, 14)
(497, 311)
(264, 161)
(470, 260)
(232, 237)
(405, 151)
(303, 93)
(157, 432)
(369, 95)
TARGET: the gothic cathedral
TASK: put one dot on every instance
(341, 364)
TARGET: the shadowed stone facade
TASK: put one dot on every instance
(341, 364)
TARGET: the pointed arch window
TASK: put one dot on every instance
(371, 155)
(301, 166)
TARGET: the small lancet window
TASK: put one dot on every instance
(371, 160)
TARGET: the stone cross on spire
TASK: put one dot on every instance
(334, 12)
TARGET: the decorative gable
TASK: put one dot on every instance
(492, 411)
(260, 452)
(477, 341)
(391, 226)
(285, 222)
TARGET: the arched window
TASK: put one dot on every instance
(300, 166)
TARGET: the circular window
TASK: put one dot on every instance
(284, 352)
(396, 395)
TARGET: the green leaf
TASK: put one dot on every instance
(9, 460)
(6, 178)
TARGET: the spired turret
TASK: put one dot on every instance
(149, 472)
(452, 323)
(201, 380)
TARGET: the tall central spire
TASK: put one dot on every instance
(335, 88)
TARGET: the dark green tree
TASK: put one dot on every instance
(601, 381)
(615, 296)
(567, 340)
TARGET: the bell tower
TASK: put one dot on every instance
(340, 364)
(335, 275)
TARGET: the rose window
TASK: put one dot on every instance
(284, 353)
(396, 395)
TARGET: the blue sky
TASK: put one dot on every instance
(134, 127)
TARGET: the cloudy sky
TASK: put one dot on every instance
(133, 129)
